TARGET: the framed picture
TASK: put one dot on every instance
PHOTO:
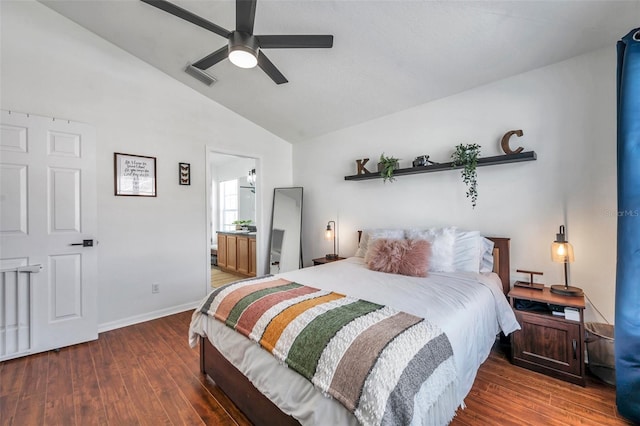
(184, 173)
(135, 175)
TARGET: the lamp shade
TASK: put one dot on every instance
(328, 233)
(562, 252)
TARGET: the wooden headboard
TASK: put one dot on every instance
(501, 260)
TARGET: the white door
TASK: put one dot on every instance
(47, 207)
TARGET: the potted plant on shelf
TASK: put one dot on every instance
(466, 155)
(242, 225)
(386, 166)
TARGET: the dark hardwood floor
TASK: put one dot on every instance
(147, 374)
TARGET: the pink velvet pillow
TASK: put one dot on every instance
(405, 257)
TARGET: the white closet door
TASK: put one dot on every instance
(48, 206)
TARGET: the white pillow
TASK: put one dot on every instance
(370, 235)
(486, 262)
(468, 251)
(362, 245)
(473, 252)
(442, 246)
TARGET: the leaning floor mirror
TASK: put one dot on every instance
(285, 248)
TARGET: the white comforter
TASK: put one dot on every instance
(470, 308)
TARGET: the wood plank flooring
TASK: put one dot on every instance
(219, 278)
(147, 374)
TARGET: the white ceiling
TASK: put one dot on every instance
(387, 55)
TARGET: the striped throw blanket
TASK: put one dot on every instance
(373, 359)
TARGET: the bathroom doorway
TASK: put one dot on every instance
(232, 187)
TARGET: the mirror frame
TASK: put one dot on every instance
(273, 206)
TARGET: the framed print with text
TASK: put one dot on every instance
(135, 175)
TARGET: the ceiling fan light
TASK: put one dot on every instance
(243, 50)
(243, 59)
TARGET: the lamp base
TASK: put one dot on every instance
(331, 256)
(566, 290)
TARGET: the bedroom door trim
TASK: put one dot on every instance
(210, 151)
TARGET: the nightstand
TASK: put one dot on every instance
(548, 343)
(323, 260)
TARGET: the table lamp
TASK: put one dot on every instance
(562, 252)
(329, 234)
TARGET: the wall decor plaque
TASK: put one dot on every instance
(135, 175)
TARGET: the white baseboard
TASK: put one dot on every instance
(146, 317)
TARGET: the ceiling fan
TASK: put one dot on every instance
(244, 48)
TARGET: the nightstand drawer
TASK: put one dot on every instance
(547, 342)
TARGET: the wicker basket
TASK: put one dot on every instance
(600, 351)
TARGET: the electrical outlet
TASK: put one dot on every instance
(155, 288)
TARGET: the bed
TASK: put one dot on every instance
(471, 312)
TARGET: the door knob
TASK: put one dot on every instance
(84, 243)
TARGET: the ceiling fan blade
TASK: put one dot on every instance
(245, 15)
(270, 69)
(188, 16)
(294, 41)
(212, 59)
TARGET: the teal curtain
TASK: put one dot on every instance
(627, 324)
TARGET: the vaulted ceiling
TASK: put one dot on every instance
(387, 56)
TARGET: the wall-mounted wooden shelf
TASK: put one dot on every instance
(487, 161)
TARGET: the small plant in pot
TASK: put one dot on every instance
(386, 167)
(242, 225)
(466, 155)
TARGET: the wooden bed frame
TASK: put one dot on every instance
(257, 407)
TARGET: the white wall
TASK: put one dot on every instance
(52, 67)
(568, 115)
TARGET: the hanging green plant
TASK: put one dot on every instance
(466, 155)
(386, 166)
